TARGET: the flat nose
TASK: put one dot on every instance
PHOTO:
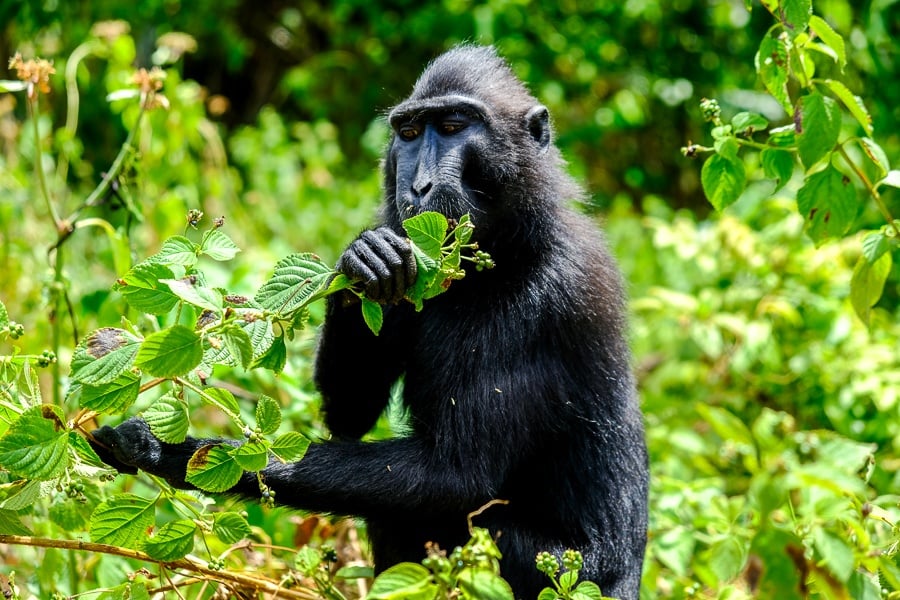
(421, 185)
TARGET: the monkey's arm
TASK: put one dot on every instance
(355, 369)
(340, 477)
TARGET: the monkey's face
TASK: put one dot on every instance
(435, 158)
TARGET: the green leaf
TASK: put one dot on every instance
(464, 230)
(237, 340)
(223, 400)
(406, 581)
(168, 419)
(835, 552)
(777, 165)
(874, 245)
(104, 355)
(748, 123)
(587, 590)
(218, 246)
(11, 524)
(173, 541)
(372, 315)
(177, 250)
(35, 447)
(862, 587)
(230, 527)
(827, 201)
(830, 38)
(171, 352)
(892, 179)
(796, 15)
(290, 447)
(84, 451)
(275, 358)
(867, 284)
(19, 495)
(212, 468)
(853, 103)
(427, 270)
(772, 67)
(123, 520)
(727, 557)
(354, 572)
(723, 180)
(877, 155)
(195, 294)
(143, 291)
(297, 280)
(251, 456)
(820, 126)
(484, 585)
(113, 397)
(268, 415)
(427, 231)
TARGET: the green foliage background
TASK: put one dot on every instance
(773, 413)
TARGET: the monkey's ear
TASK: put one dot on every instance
(538, 122)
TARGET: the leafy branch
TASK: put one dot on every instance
(813, 142)
(244, 581)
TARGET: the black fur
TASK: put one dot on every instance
(517, 380)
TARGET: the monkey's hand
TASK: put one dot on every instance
(131, 446)
(383, 262)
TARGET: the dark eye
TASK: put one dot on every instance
(451, 126)
(408, 132)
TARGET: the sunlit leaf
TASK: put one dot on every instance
(142, 289)
(217, 245)
(372, 315)
(113, 397)
(406, 581)
(748, 123)
(484, 585)
(104, 355)
(829, 37)
(268, 414)
(122, 520)
(297, 280)
(290, 446)
(867, 284)
(427, 231)
(169, 353)
(723, 180)
(223, 399)
(177, 250)
(195, 294)
(230, 527)
(251, 456)
(35, 447)
(11, 523)
(772, 67)
(213, 468)
(820, 126)
(777, 165)
(854, 104)
(168, 419)
(174, 540)
(827, 201)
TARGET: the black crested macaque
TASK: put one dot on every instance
(517, 380)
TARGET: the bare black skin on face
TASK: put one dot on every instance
(517, 380)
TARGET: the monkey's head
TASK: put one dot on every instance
(472, 139)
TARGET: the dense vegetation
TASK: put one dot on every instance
(766, 332)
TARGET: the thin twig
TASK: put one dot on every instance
(255, 582)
